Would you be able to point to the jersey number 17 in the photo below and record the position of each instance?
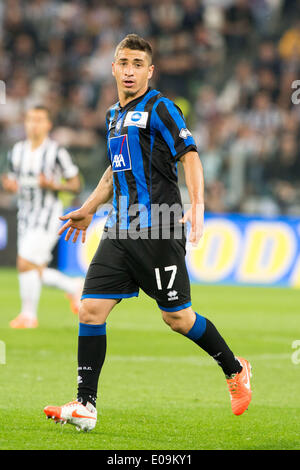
(173, 270)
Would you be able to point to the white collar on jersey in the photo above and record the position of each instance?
(40, 147)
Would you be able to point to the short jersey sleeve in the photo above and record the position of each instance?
(10, 164)
(169, 121)
(107, 119)
(64, 161)
(109, 123)
(13, 160)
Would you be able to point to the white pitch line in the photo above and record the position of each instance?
(195, 360)
(139, 327)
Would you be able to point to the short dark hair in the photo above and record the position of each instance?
(41, 107)
(135, 43)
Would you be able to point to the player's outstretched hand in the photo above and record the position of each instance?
(77, 221)
(194, 215)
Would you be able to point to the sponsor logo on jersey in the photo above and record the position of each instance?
(119, 153)
(29, 181)
(136, 118)
(185, 133)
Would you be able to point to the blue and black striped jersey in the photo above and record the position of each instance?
(145, 140)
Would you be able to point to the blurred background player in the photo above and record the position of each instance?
(36, 168)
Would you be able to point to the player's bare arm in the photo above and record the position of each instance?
(80, 219)
(71, 185)
(195, 183)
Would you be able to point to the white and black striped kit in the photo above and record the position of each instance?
(38, 207)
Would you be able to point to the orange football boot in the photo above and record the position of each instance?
(74, 299)
(240, 389)
(23, 322)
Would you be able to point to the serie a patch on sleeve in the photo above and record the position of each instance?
(185, 133)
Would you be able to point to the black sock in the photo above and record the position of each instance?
(91, 356)
(205, 335)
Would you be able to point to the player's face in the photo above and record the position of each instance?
(132, 71)
(37, 124)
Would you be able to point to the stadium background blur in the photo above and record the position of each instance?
(229, 64)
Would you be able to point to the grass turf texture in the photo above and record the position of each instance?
(158, 390)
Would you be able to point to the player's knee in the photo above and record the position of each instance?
(175, 321)
(181, 321)
(95, 311)
(87, 313)
(23, 265)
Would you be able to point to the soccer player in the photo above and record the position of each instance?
(36, 168)
(147, 136)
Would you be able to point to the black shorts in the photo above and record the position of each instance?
(121, 266)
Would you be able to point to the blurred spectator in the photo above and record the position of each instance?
(265, 117)
(240, 89)
(209, 50)
(268, 82)
(140, 23)
(212, 161)
(242, 149)
(206, 105)
(268, 58)
(99, 64)
(283, 174)
(289, 45)
(290, 8)
(238, 24)
(175, 59)
(192, 14)
(215, 198)
(262, 11)
(167, 16)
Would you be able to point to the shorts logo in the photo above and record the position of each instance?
(185, 133)
(172, 295)
(136, 118)
(119, 153)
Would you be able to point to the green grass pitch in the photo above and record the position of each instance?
(158, 390)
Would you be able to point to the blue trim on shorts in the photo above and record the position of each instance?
(175, 309)
(109, 296)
